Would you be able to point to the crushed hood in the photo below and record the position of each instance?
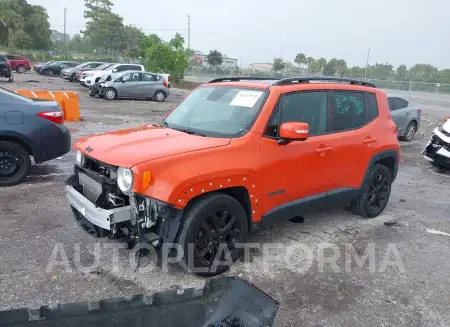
(127, 148)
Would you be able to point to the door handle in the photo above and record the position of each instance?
(407, 114)
(369, 140)
(324, 149)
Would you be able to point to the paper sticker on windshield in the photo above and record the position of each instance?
(246, 98)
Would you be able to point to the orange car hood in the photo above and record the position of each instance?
(127, 148)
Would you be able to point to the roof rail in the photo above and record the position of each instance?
(293, 80)
(240, 78)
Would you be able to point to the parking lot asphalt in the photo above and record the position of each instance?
(36, 225)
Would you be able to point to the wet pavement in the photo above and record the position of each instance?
(36, 224)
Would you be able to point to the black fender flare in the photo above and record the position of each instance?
(386, 154)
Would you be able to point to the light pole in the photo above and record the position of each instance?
(65, 38)
(189, 31)
(367, 64)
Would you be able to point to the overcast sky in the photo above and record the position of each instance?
(397, 31)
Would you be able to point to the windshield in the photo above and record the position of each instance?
(102, 67)
(218, 111)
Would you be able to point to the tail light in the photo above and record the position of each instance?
(420, 110)
(447, 118)
(165, 83)
(53, 116)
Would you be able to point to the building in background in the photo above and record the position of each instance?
(260, 67)
(201, 59)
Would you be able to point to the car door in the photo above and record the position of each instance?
(129, 85)
(299, 169)
(353, 129)
(399, 113)
(148, 85)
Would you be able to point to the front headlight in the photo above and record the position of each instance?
(125, 179)
(79, 158)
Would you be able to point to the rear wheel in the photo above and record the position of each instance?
(374, 194)
(50, 73)
(21, 69)
(110, 94)
(15, 163)
(410, 132)
(159, 96)
(211, 233)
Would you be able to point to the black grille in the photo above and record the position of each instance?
(98, 167)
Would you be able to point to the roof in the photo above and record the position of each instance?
(289, 81)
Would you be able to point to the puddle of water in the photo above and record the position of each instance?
(297, 220)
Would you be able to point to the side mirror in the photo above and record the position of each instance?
(293, 131)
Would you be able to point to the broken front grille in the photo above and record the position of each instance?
(98, 167)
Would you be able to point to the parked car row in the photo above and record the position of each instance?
(119, 80)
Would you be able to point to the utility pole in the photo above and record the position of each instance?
(367, 64)
(189, 31)
(65, 39)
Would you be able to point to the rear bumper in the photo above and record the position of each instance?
(56, 143)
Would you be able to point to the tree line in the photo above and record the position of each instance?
(338, 67)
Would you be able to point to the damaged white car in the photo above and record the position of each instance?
(437, 150)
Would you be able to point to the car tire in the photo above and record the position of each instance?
(377, 188)
(51, 73)
(159, 96)
(209, 223)
(11, 155)
(72, 78)
(21, 69)
(410, 132)
(110, 94)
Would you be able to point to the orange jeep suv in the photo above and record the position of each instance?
(238, 153)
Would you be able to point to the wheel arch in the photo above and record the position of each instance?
(388, 158)
(20, 140)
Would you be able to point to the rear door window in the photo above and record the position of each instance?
(372, 106)
(348, 110)
(9, 57)
(400, 103)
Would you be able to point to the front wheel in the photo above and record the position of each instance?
(50, 73)
(72, 78)
(374, 194)
(110, 94)
(212, 235)
(21, 69)
(15, 163)
(159, 96)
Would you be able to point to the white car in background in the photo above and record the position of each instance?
(93, 76)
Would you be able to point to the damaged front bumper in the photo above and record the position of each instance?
(437, 150)
(102, 210)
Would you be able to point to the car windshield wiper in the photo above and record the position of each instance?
(188, 131)
(184, 130)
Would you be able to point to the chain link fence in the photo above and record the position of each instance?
(410, 86)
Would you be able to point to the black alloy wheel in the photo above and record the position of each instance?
(15, 164)
(219, 228)
(375, 193)
(212, 233)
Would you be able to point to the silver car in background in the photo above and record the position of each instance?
(406, 116)
(135, 85)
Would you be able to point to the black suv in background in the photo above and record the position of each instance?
(54, 69)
